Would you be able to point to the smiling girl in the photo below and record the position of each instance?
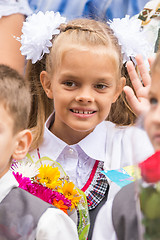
(81, 76)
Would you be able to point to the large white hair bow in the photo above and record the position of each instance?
(37, 32)
(131, 38)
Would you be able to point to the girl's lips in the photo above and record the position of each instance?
(82, 111)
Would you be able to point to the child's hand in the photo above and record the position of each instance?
(138, 100)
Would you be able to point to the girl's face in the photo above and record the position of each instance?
(83, 89)
(152, 119)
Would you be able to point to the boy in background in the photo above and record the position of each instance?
(22, 215)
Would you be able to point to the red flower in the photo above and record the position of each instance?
(150, 168)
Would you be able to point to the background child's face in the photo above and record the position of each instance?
(7, 140)
(83, 88)
(152, 119)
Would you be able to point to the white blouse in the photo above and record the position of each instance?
(115, 146)
(103, 228)
(8, 7)
(64, 227)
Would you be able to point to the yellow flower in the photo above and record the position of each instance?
(69, 191)
(49, 177)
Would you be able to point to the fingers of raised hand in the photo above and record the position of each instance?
(143, 71)
(131, 98)
(139, 77)
(136, 82)
(151, 60)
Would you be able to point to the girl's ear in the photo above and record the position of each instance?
(46, 84)
(22, 143)
(120, 87)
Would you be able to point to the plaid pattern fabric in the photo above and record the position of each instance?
(97, 188)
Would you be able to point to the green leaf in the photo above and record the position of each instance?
(145, 193)
(152, 229)
(150, 203)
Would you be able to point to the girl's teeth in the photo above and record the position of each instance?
(83, 112)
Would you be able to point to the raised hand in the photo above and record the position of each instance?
(141, 82)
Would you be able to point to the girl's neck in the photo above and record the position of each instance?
(70, 136)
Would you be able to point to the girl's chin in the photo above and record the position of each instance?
(83, 129)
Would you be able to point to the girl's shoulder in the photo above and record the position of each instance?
(124, 131)
(124, 144)
(131, 137)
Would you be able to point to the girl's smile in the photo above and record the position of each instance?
(83, 113)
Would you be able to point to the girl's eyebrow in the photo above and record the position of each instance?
(68, 75)
(151, 93)
(103, 79)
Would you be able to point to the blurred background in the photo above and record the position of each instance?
(99, 9)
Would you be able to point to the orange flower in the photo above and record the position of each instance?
(70, 192)
(60, 204)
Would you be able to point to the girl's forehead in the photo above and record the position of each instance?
(80, 50)
(99, 49)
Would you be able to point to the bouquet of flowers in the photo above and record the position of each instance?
(150, 196)
(51, 184)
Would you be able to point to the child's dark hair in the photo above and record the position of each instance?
(15, 96)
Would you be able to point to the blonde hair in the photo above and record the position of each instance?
(121, 113)
(15, 96)
(76, 33)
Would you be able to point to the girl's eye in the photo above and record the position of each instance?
(69, 84)
(153, 101)
(100, 86)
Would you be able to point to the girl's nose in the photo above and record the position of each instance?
(84, 96)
